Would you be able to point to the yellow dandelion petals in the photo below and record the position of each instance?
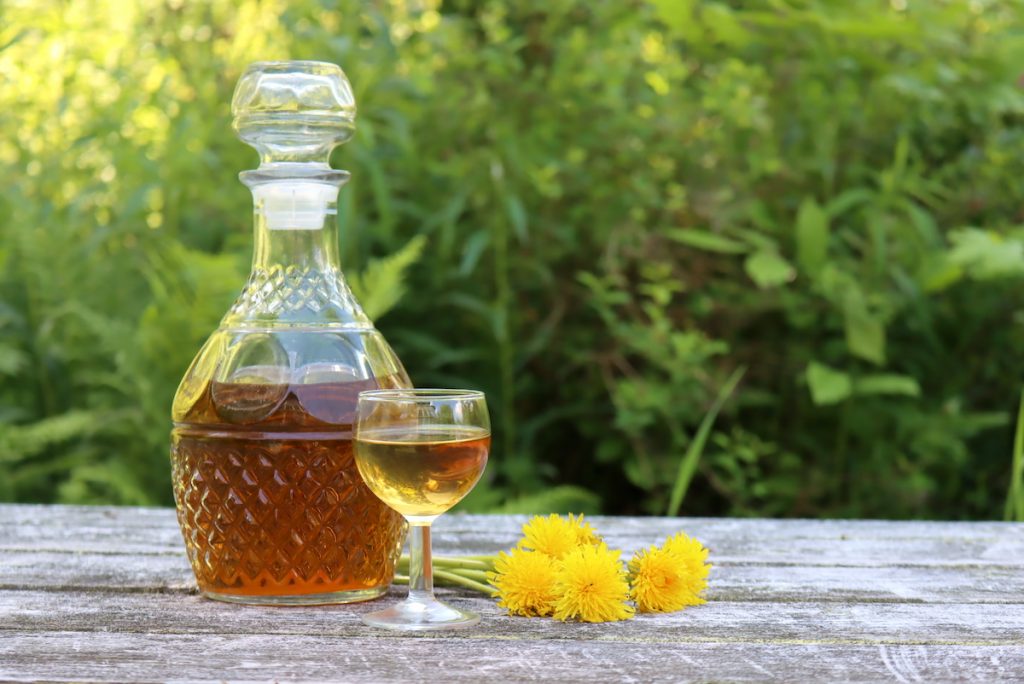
(585, 534)
(556, 536)
(671, 577)
(591, 586)
(561, 568)
(525, 583)
(656, 583)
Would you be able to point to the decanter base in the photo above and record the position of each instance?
(300, 599)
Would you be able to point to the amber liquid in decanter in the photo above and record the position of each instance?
(277, 507)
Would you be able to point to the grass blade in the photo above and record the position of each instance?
(688, 464)
(1015, 495)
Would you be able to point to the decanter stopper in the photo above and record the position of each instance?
(294, 114)
(294, 111)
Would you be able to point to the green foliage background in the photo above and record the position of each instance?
(625, 207)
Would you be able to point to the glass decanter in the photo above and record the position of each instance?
(271, 505)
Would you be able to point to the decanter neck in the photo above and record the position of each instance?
(295, 215)
(294, 114)
(296, 278)
(305, 248)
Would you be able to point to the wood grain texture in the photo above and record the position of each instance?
(257, 657)
(756, 582)
(722, 621)
(809, 542)
(89, 593)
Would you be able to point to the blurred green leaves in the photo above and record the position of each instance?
(812, 235)
(706, 240)
(596, 212)
(831, 386)
(827, 385)
(985, 254)
(768, 269)
(381, 285)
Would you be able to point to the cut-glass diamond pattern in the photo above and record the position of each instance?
(277, 290)
(281, 517)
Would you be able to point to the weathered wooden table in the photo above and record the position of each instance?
(106, 594)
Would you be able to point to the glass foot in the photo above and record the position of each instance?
(413, 615)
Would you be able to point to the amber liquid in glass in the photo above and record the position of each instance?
(424, 471)
(271, 502)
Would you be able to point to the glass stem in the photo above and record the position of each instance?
(421, 569)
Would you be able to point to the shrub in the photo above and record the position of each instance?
(623, 205)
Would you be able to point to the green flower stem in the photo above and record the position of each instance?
(488, 560)
(466, 564)
(455, 562)
(481, 575)
(464, 582)
(449, 578)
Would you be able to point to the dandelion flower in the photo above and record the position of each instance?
(525, 583)
(556, 536)
(591, 586)
(658, 582)
(671, 577)
(585, 534)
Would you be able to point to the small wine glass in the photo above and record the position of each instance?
(421, 451)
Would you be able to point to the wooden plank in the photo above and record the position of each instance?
(98, 529)
(720, 621)
(142, 657)
(734, 541)
(108, 571)
(508, 525)
(100, 593)
(85, 516)
(894, 584)
(800, 542)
